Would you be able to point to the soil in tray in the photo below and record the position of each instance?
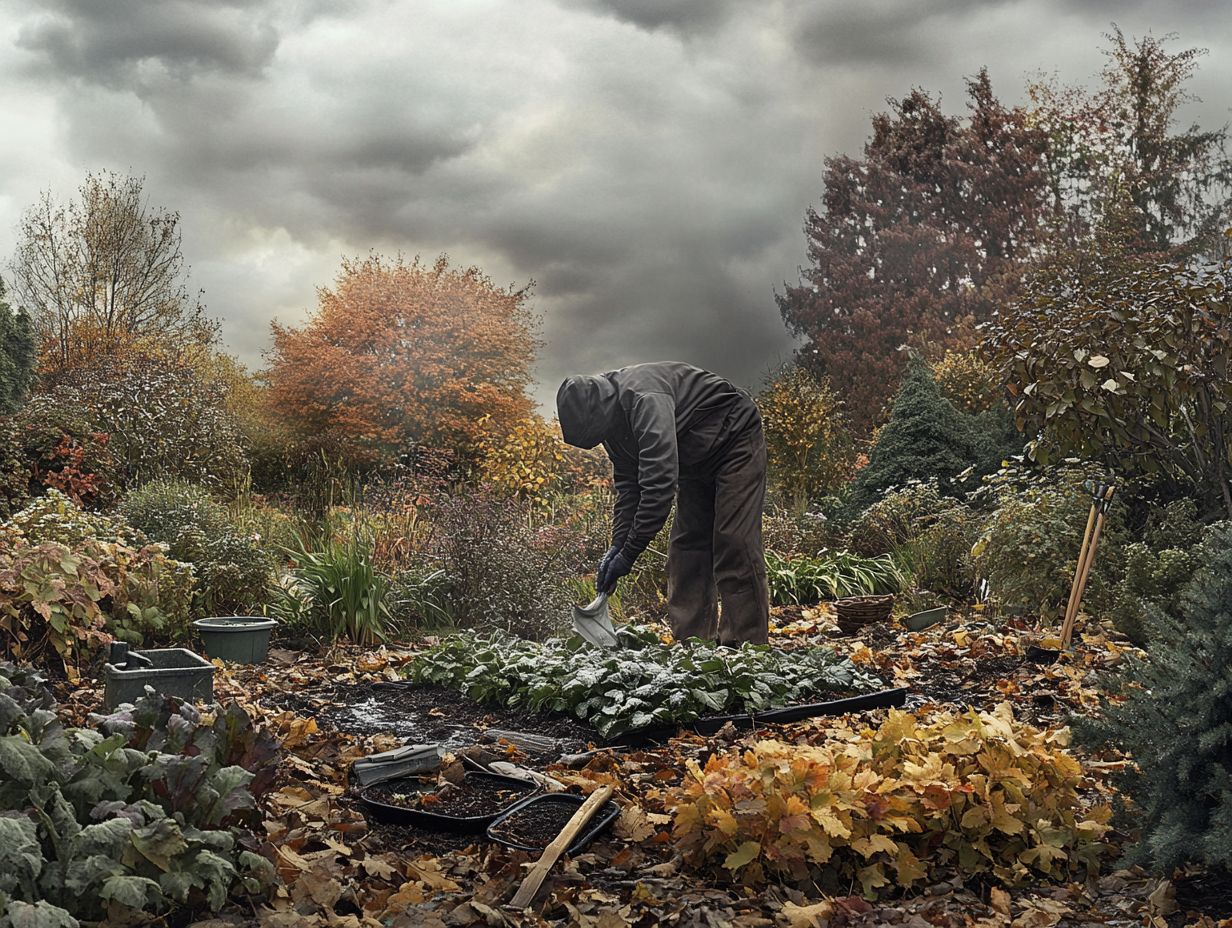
(474, 798)
(537, 824)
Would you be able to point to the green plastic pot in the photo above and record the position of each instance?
(238, 639)
(921, 620)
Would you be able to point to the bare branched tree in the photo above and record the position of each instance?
(104, 272)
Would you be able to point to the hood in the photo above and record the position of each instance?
(586, 406)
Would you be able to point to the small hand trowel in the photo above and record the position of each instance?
(593, 624)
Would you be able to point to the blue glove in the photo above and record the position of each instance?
(611, 569)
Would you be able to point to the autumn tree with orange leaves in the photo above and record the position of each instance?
(402, 354)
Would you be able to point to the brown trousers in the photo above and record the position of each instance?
(716, 550)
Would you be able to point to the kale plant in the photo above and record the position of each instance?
(128, 822)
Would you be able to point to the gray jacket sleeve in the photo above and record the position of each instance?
(652, 418)
(628, 496)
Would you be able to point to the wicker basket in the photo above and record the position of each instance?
(855, 612)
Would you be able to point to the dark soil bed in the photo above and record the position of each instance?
(967, 683)
(414, 840)
(427, 714)
(1208, 893)
(476, 796)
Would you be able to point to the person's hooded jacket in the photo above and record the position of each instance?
(655, 421)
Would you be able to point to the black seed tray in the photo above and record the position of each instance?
(435, 821)
(607, 814)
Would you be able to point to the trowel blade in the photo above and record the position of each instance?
(594, 624)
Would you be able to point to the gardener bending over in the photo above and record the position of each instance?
(674, 430)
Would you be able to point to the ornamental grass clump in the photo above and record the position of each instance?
(829, 575)
(978, 792)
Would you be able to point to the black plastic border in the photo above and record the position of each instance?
(882, 699)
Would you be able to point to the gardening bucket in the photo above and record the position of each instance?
(239, 639)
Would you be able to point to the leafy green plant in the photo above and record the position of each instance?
(1096, 376)
(233, 571)
(97, 825)
(1028, 549)
(336, 591)
(74, 593)
(645, 683)
(980, 792)
(829, 575)
(1174, 719)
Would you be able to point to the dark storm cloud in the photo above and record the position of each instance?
(869, 33)
(647, 163)
(111, 42)
(683, 16)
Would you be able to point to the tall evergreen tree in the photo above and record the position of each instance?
(1176, 722)
(917, 241)
(16, 355)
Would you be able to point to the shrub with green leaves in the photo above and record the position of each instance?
(63, 586)
(53, 443)
(897, 518)
(125, 824)
(645, 683)
(829, 575)
(790, 534)
(1029, 546)
(1176, 721)
(1155, 570)
(162, 418)
(234, 571)
(929, 534)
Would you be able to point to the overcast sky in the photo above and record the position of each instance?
(647, 162)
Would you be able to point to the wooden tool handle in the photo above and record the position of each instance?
(1082, 558)
(552, 853)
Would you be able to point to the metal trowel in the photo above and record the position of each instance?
(594, 624)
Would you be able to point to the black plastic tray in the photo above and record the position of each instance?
(435, 821)
(602, 819)
(710, 724)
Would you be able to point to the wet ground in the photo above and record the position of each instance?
(427, 714)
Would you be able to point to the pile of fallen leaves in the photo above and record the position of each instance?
(336, 869)
(976, 792)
